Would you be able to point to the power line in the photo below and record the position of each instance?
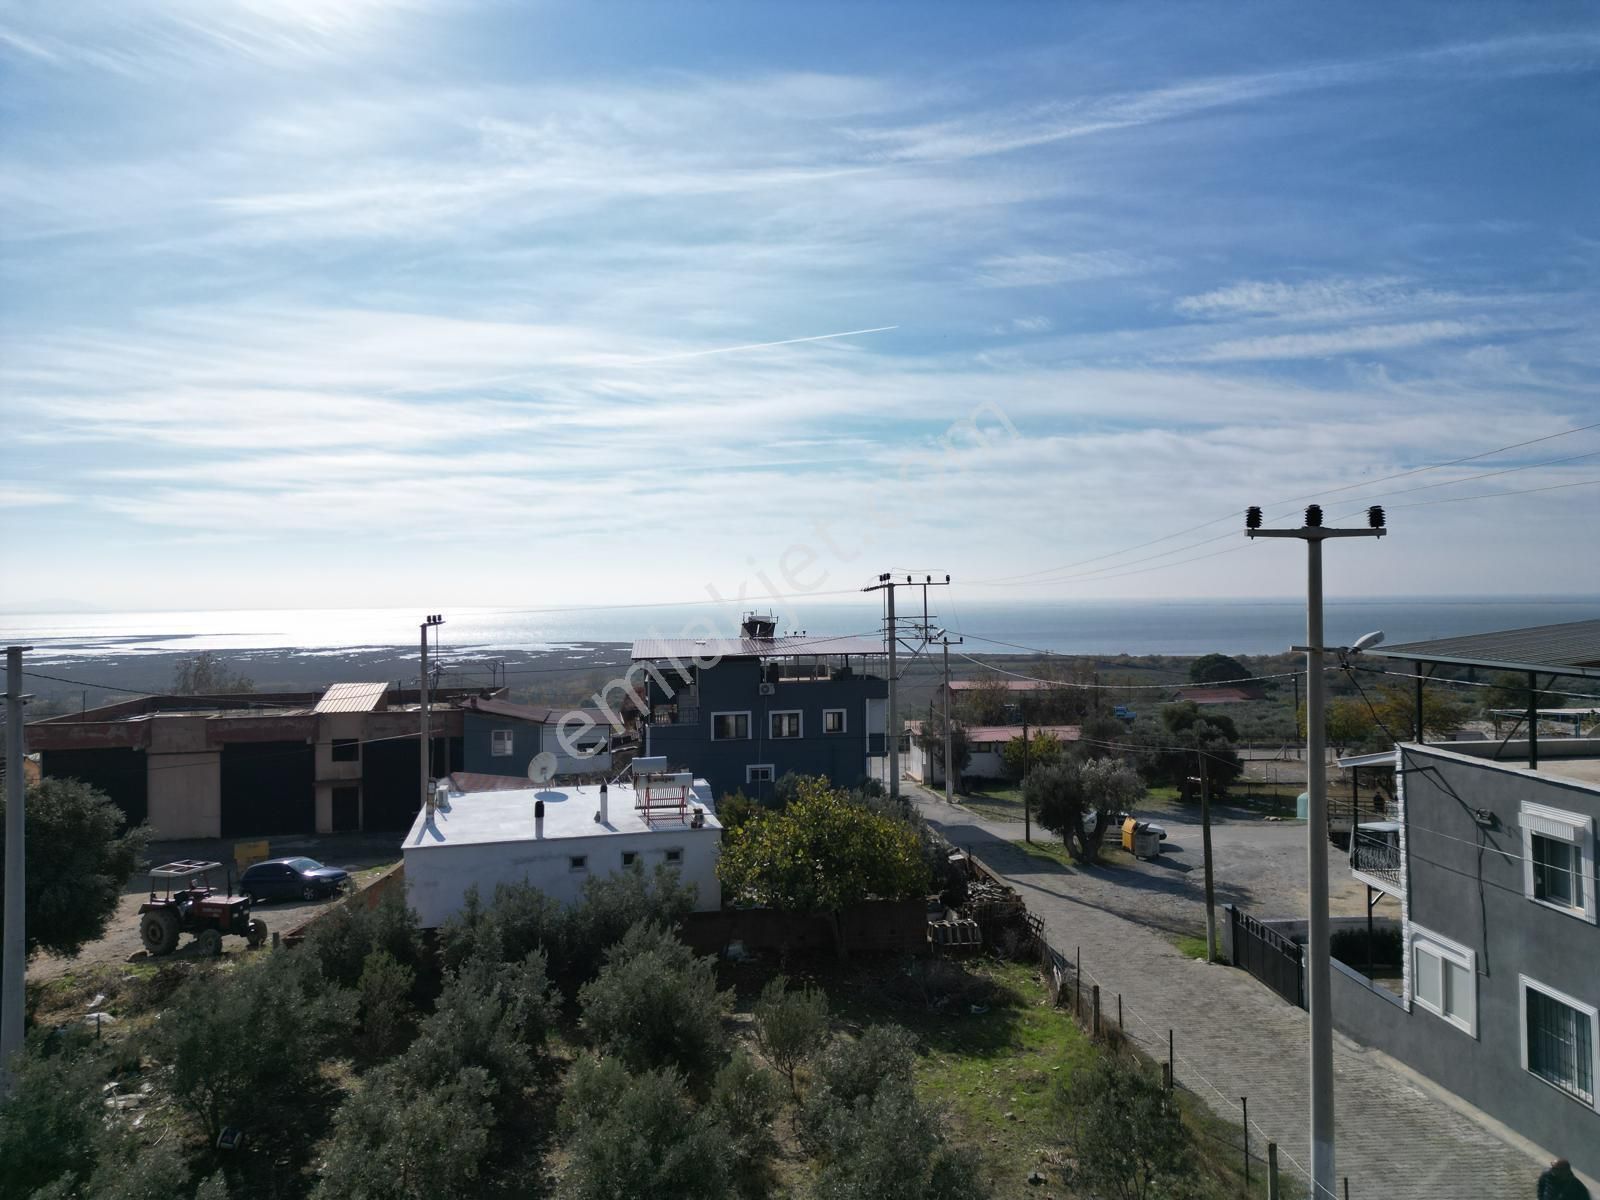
(1037, 575)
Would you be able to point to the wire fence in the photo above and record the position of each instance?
(1111, 1020)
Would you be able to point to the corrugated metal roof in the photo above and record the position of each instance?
(791, 646)
(351, 697)
(1572, 648)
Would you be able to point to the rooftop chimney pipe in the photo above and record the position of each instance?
(538, 819)
(604, 815)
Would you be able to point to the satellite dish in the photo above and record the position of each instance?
(542, 767)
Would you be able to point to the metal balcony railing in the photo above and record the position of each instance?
(1376, 854)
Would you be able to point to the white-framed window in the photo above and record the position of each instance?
(1558, 859)
(1444, 976)
(630, 858)
(501, 742)
(833, 720)
(578, 862)
(730, 726)
(1559, 1043)
(759, 773)
(785, 724)
(674, 857)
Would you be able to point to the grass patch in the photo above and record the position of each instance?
(1112, 856)
(1195, 947)
(996, 804)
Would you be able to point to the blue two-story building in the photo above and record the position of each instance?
(743, 712)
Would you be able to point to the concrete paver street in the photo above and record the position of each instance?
(1233, 1036)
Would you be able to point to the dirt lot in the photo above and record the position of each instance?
(364, 858)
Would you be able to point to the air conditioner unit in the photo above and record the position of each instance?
(768, 689)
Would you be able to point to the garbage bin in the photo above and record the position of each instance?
(1128, 827)
(1146, 842)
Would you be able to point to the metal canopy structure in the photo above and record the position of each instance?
(1570, 649)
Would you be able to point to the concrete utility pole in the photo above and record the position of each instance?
(1318, 972)
(426, 756)
(1027, 761)
(888, 584)
(15, 963)
(1205, 842)
(944, 641)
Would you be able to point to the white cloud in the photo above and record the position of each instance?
(1355, 340)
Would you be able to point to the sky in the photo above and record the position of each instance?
(320, 303)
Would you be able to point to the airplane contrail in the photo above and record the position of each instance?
(820, 337)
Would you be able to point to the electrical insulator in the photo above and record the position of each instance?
(1313, 516)
(1252, 517)
(1375, 517)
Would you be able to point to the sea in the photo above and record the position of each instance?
(1099, 627)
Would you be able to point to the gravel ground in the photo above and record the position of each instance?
(121, 944)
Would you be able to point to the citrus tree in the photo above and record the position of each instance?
(821, 855)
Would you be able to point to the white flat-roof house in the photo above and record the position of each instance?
(556, 837)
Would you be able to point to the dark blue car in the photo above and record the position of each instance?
(290, 879)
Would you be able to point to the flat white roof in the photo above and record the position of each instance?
(476, 818)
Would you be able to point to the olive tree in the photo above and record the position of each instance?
(1079, 800)
(79, 856)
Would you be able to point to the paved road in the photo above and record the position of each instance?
(1234, 1037)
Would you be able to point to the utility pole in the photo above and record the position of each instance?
(1318, 973)
(426, 756)
(15, 964)
(944, 641)
(887, 584)
(1027, 761)
(1205, 842)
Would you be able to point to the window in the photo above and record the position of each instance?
(1558, 1040)
(1558, 859)
(630, 858)
(578, 862)
(674, 857)
(346, 749)
(833, 720)
(785, 724)
(730, 727)
(1446, 979)
(500, 743)
(759, 773)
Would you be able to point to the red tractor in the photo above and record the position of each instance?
(182, 900)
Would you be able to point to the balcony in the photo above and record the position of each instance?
(1375, 856)
(675, 714)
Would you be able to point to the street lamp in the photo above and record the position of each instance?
(1318, 972)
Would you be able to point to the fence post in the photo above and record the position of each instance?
(1166, 1077)
(1347, 1187)
(1077, 986)
(1244, 1103)
(1272, 1171)
(274, 939)
(1121, 1028)
(1171, 1058)
(1095, 997)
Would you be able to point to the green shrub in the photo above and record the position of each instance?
(852, 1069)
(744, 1102)
(49, 1125)
(385, 1009)
(850, 1072)
(245, 1046)
(491, 1016)
(1125, 1132)
(342, 939)
(395, 1141)
(790, 1026)
(885, 1146)
(614, 904)
(637, 1136)
(655, 1004)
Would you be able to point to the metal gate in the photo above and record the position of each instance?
(1269, 956)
